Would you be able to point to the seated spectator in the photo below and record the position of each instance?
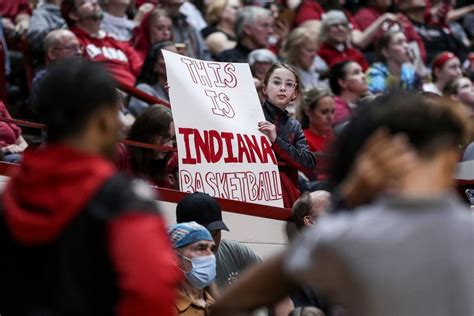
(374, 10)
(316, 114)
(220, 34)
(445, 68)
(253, 27)
(155, 126)
(348, 84)
(45, 19)
(436, 38)
(394, 70)
(120, 58)
(300, 51)
(232, 257)
(194, 247)
(184, 33)
(461, 89)
(152, 78)
(58, 44)
(306, 212)
(334, 38)
(12, 143)
(155, 27)
(115, 21)
(15, 16)
(260, 61)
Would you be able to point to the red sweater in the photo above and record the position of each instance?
(366, 16)
(9, 133)
(119, 57)
(333, 56)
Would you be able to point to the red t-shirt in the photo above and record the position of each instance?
(319, 144)
(9, 133)
(119, 57)
(366, 16)
(312, 10)
(11, 8)
(333, 56)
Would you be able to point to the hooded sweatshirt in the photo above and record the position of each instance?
(44, 202)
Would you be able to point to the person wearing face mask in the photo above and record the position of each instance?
(194, 247)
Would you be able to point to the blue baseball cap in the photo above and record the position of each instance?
(183, 234)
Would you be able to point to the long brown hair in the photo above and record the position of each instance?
(153, 123)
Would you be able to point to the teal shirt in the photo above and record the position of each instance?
(381, 81)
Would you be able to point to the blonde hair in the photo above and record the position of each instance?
(297, 38)
(214, 11)
(310, 101)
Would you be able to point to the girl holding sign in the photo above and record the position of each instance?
(281, 87)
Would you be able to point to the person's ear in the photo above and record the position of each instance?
(295, 96)
(264, 89)
(50, 54)
(342, 83)
(247, 30)
(73, 16)
(384, 53)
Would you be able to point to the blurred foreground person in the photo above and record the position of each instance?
(78, 238)
(409, 251)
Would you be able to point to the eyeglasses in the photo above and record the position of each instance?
(288, 84)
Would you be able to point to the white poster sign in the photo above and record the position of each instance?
(221, 152)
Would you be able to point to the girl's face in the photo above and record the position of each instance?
(355, 79)
(321, 117)
(160, 29)
(281, 88)
(307, 53)
(167, 140)
(397, 49)
(466, 92)
(160, 66)
(450, 70)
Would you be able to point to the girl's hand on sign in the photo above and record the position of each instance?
(268, 129)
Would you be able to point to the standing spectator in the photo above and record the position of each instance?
(120, 58)
(436, 38)
(220, 34)
(45, 19)
(348, 83)
(233, 258)
(301, 52)
(281, 87)
(15, 16)
(334, 38)
(155, 126)
(97, 241)
(12, 143)
(152, 78)
(194, 247)
(374, 10)
(115, 22)
(394, 70)
(461, 89)
(366, 259)
(445, 68)
(253, 27)
(185, 33)
(155, 27)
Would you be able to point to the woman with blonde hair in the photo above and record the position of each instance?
(220, 34)
(301, 52)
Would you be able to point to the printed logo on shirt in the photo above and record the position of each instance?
(108, 52)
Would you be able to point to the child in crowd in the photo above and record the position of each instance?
(281, 87)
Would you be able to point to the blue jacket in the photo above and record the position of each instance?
(381, 81)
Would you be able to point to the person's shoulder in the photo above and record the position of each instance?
(234, 247)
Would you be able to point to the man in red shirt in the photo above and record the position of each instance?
(120, 58)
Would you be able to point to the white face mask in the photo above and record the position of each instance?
(203, 272)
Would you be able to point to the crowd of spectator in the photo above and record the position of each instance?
(317, 66)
